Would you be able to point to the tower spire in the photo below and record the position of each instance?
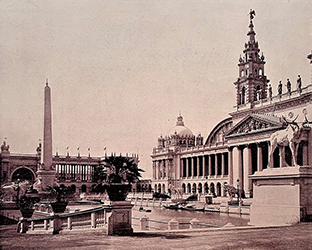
(251, 32)
(251, 84)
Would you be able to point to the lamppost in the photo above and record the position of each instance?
(238, 194)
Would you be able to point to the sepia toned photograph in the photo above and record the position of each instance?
(145, 124)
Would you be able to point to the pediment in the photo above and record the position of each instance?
(255, 123)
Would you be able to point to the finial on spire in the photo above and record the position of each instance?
(47, 81)
(252, 14)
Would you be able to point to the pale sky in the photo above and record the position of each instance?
(120, 71)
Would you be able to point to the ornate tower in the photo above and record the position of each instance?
(251, 85)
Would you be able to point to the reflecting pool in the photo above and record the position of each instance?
(184, 216)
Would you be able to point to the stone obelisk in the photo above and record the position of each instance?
(46, 173)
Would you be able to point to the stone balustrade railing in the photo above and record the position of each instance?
(92, 218)
(173, 224)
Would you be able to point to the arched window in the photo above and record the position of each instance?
(183, 188)
(258, 93)
(243, 96)
(194, 189)
(218, 189)
(200, 188)
(260, 72)
(189, 188)
(256, 72)
(242, 73)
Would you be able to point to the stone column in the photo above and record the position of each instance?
(237, 166)
(189, 167)
(230, 166)
(247, 171)
(222, 164)
(260, 158)
(210, 165)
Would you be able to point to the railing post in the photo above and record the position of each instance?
(45, 224)
(144, 223)
(32, 225)
(93, 221)
(69, 223)
(194, 223)
(173, 224)
(57, 224)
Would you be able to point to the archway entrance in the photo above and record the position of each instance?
(23, 174)
(83, 189)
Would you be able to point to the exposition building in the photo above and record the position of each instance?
(264, 131)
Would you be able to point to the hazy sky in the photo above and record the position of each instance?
(120, 71)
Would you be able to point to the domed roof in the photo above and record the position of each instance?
(180, 129)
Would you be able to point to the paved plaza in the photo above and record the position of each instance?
(293, 237)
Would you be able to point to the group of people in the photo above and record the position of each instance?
(288, 86)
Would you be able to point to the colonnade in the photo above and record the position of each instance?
(210, 165)
(74, 172)
(161, 169)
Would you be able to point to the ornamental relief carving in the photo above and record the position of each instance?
(250, 126)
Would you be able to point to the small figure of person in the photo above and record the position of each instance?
(299, 84)
(280, 88)
(270, 92)
(288, 85)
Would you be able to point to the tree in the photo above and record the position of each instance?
(116, 169)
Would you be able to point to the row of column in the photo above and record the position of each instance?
(74, 172)
(205, 165)
(161, 169)
(246, 160)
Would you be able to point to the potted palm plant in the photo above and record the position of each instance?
(116, 175)
(27, 202)
(59, 196)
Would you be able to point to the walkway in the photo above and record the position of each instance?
(294, 237)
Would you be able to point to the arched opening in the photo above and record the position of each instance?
(155, 188)
(288, 156)
(258, 93)
(183, 188)
(243, 96)
(73, 188)
(189, 188)
(149, 188)
(276, 158)
(242, 73)
(260, 72)
(23, 174)
(194, 189)
(206, 188)
(163, 188)
(159, 188)
(200, 188)
(218, 189)
(256, 72)
(83, 189)
(212, 189)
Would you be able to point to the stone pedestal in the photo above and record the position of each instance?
(281, 196)
(45, 179)
(120, 218)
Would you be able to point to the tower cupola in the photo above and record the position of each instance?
(251, 85)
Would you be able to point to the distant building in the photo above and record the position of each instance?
(240, 145)
(76, 171)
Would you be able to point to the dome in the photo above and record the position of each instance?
(180, 129)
